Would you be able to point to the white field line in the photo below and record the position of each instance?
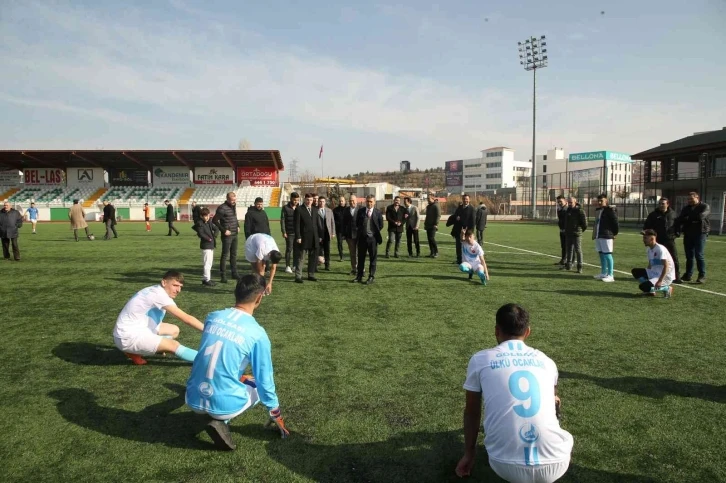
(689, 287)
(710, 237)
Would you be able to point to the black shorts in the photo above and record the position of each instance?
(146, 218)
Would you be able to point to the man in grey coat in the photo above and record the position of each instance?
(10, 221)
(412, 220)
(481, 222)
(326, 230)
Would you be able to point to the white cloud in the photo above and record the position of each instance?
(165, 78)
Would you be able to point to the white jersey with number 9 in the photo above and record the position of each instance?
(518, 388)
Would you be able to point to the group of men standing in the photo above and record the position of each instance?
(693, 223)
(309, 228)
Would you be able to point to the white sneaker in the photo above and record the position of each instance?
(608, 278)
(599, 276)
(288, 270)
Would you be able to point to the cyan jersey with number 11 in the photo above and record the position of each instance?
(231, 340)
(518, 387)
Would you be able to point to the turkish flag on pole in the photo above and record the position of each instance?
(321, 152)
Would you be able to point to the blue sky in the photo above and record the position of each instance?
(374, 82)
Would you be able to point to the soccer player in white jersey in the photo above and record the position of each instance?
(472, 257)
(661, 270)
(261, 248)
(139, 328)
(232, 340)
(518, 384)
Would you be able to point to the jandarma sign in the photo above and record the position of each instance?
(170, 175)
(601, 156)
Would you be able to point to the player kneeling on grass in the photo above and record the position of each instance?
(519, 385)
(232, 339)
(260, 249)
(472, 257)
(139, 328)
(661, 270)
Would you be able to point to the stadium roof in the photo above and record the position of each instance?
(697, 142)
(133, 158)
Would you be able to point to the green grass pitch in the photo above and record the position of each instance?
(369, 377)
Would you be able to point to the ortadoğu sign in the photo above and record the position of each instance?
(258, 176)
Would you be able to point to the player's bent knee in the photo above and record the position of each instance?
(465, 267)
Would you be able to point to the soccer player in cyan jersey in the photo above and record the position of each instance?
(32, 213)
(519, 384)
(232, 340)
(139, 328)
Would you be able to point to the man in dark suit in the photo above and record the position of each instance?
(307, 238)
(395, 218)
(350, 232)
(411, 227)
(369, 223)
(109, 219)
(338, 213)
(170, 217)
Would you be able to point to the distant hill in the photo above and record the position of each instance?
(428, 178)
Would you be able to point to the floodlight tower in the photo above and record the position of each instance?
(533, 56)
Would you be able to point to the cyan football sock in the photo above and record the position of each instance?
(185, 353)
(603, 263)
(609, 264)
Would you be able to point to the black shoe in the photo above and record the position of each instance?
(353, 272)
(678, 281)
(357, 280)
(169, 234)
(370, 281)
(579, 269)
(220, 434)
(312, 279)
(224, 280)
(298, 280)
(235, 276)
(327, 269)
(701, 279)
(686, 278)
(177, 233)
(208, 283)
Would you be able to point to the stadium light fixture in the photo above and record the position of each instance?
(532, 55)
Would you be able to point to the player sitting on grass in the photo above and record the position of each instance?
(139, 328)
(232, 340)
(472, 258)
(661, 270)
(260, 249)
(523, 437)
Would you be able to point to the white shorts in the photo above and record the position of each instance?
(253, 399)
(475, 266)
(603, 245)
(145, 342)
(514, 473)
(34, 221)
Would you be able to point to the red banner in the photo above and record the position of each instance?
(258, 176)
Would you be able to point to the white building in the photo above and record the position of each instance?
(495, 169)
(555, 161)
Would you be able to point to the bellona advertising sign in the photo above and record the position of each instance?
(601, 156)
